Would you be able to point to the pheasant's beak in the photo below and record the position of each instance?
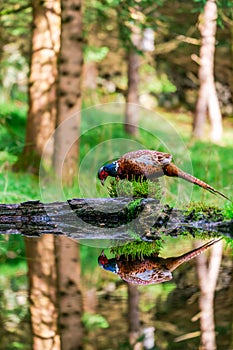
(102, 181)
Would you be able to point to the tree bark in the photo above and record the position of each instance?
(42, 292)
(132, 102)
(207, 97)
(207, 276)
(69, 293)
(65, 166)
(134, 316)
(69, 92)
(42, 83)
(40, 126)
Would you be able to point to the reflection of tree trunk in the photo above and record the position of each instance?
(42, 292)
(132, 108)
(42, 82)
(207, 99)
(133, 316)
(208, 274)
(230, 293)
(69, 293)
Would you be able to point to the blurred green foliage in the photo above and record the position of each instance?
(12, 124)
(93, 321)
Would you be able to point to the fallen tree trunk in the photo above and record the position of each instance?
(107, 218)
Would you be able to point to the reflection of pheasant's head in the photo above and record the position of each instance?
(107, 264)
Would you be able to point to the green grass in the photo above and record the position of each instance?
(18, 187)
(103, 139)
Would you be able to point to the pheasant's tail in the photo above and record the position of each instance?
(200, 183)
(173, 263)
(172, 170)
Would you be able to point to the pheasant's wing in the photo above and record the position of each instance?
(145, 162)
(148, 157)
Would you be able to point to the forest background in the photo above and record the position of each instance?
(173, 58)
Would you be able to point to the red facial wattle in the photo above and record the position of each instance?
(102, 176)
(102, 260)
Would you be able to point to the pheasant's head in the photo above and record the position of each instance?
(107, 170)
(107, 264)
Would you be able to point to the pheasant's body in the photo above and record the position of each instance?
(150, 270)
(146, 164)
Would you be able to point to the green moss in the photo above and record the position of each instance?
(138, 249)
(135, 189)
(199, 211)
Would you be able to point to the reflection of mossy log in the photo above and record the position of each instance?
(110, 218)
(137, 249)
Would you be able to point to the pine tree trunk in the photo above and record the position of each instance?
(207, 98)
(65, 166)
(132, 102)
(69, 92)
(40, 126)
(42, 83)
(207, 275)
(42, 292)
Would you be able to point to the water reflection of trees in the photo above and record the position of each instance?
(207, 271)
(168, 311)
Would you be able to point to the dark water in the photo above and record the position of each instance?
(170, 310)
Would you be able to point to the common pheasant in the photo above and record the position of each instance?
(147, 164)
(151, 269)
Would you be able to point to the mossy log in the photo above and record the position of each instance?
(109, 218)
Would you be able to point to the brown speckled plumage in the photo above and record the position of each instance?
(143, 163)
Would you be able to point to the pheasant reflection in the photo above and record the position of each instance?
(151, 269)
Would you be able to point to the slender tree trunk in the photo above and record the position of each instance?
(207, 98)
(65, 165)
(132, 99)
(230, 293)
(42, 83)
(69, 92)
(40, 126)
(208, 275)
(42, 292)
(69, 293)
(229, 22)
(133, 316)
(132, 102)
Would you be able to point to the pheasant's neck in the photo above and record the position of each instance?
(112, 168)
